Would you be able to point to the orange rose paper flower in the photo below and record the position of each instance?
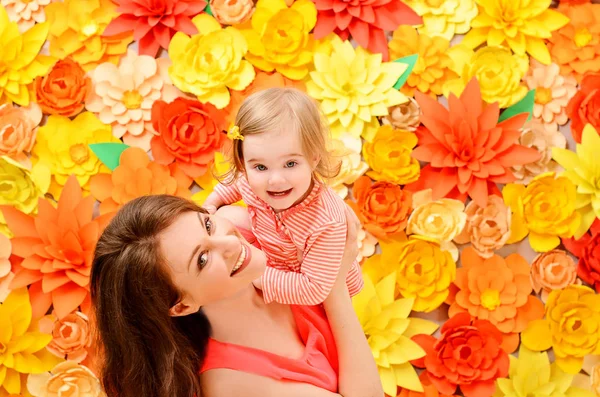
(232, 12)
(467, 355)
(18, 129)
(382, 207)
(467, 149)
(587, 249)
(64, 89)
(189, 132)
(584, 107)
(552, 270)
(498, 290)
(71, 336)
(57, 247)
(137, 176)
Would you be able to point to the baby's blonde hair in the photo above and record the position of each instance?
(277, 109)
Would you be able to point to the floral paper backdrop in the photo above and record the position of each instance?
(468, 131)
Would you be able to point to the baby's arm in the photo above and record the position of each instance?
(318, 272)
(222, 195)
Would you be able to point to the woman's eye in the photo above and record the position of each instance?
(260, 167)
(208, 225)
(290, 164)
(202, 260)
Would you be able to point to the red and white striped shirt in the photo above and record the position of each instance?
(316, 227)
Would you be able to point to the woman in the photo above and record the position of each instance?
(173, 296)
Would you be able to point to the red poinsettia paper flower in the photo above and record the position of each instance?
(154, 22)
(587, 249)
(467, 149)
(365, 20)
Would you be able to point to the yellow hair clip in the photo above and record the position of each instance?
(234, 133)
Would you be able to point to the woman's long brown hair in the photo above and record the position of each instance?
(144, 352)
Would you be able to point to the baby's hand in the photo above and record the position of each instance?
(210, 208)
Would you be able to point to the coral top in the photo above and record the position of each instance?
(318, 365)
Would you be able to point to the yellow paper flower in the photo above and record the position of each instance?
(354, 87)
(389, 156)
(62, 144)
(279, 37)
(207, 182)
(76, 30)
(23, 347)
(433, 67)
(445, 18)
(66, 379)
(583, 169)
(545, 209)
(521, 25)
(404, 116)
(571, 327)
(389, 329)
(21, 188)
(351, 167)
(211, 62)
(498, 71)
(26, 13)
(20, 60)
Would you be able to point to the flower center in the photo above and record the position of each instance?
(543, 95)
(79, 153)
(582, 37)
(2, 347)
(132, 99)
(90, 29)
(490, 299)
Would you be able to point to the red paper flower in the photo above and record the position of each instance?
(467, 149)
(468, 354)
(154, 22)
(365, 20)
(587, 249)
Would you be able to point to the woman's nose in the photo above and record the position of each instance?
(229, 245)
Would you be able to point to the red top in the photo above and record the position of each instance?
(318, 366)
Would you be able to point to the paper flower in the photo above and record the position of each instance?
(389, 156)
(20, 60)
(498, 71)
(71, 336)
(279, 37)
(433, 67)
(351, 167)
(23, 347)
(587, 249)
(137, 176)
(571, 327)
(18, 129)
(64, 89)
(62, 144)
(404, 116)
(351, 104)
(6, 274)
(366, 244)
(531, 374)
(576, 46)
(468, 150)
(235, 12)
(487, 228)
(382, 207)
(444, 19)
(543, 138)
(388, 330)
(583, 169)
(521, 25)
(552, 92)
(552, 270)
(66, 379)
(477, 358)
(584, 107)
(154, 22)
(76, 30)
(210, 63)
(498, 290)
(366, 21)
(25, 13)
(122, 96)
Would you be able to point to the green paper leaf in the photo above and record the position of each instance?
(410, 60)
(208, 10)
(109, 153)
(525, 105)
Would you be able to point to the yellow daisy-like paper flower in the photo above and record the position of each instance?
(26, 13)
(62, 144)
(498, 71)
(389, 156)
(445, 18)
(20, 60)
(207, 182)
(545, 209)
(354, 87)
(433, 67)
(521, 25)
(76, 30)
(351, 167)
(279, 37)
(211, 62)
(389, 329)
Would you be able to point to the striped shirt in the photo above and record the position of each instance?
(315, 228)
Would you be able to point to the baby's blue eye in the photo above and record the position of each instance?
(291, 164)
(260, 167)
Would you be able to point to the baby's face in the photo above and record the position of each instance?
(277, 169)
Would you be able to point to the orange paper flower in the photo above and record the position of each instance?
(552, 270)
(429, 389)
(584, 107)
(57, 247)
(587, 249)
(137, 176)
(6, 274)
(18, 129)
(71, 336)
(498, 290)
(404, 116)
(232, 12)
(467, 149)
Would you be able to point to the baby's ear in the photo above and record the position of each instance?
(315, 161)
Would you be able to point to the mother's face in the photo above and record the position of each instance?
(208, 260)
